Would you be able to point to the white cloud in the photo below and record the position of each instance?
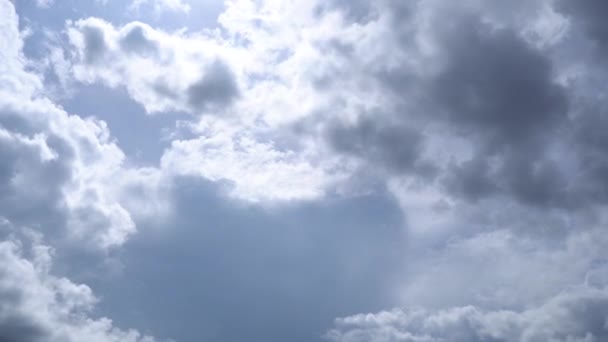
(56, 178)
(258, 171)
(205, 74)
(161, 5)
(577, 315)
(456, 109)
(36, 306)
(160, 70)
(44, 3)
(58, 169)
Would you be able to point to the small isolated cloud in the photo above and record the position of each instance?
(160, 6)
(44, 3)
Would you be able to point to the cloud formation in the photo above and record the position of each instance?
(55, 199)
(55, 166)
(38, 306)
(483, 120)
(163, 72)
(578, 315)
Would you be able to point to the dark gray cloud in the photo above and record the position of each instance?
(31, 187)
(590, 15)
(396, 147)
(491, 88)
(136, 40)
(18, 328)
(95, 46)
(499, 92)
(497, 86)
(216, 88)
(589, 132)
(360, 11)
(471, 179)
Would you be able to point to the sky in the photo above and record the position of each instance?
(303, 171)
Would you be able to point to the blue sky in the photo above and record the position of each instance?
(290, 170)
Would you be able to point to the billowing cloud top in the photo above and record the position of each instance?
(290, 170)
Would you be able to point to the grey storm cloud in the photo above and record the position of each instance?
(95, 45)
(492, 88)
(216, 88)
(496, 85)
(395, 146)
(136, 41)
(590, 15)
(355, 10)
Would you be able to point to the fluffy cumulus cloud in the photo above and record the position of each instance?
(484, 121)
(578, 315)
(161, 71)
(539, 293)
(38, 306)
(210, 76)
(56, 167)
(55, 176)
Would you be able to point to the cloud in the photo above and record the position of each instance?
(575, 315)
(381, 84)
(55, 166)
(216, 88)
(94, 44)
(57, 200)
(39, 306)
(44, 3)
(589, 15)
(479, 118)
(473, 107)
(258, 171)
(396, 146)
(197, 74)
(161, 5)
(494, 83)
(136, 41)
(163, 72)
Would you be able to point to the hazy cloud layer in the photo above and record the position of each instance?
(319, 159)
